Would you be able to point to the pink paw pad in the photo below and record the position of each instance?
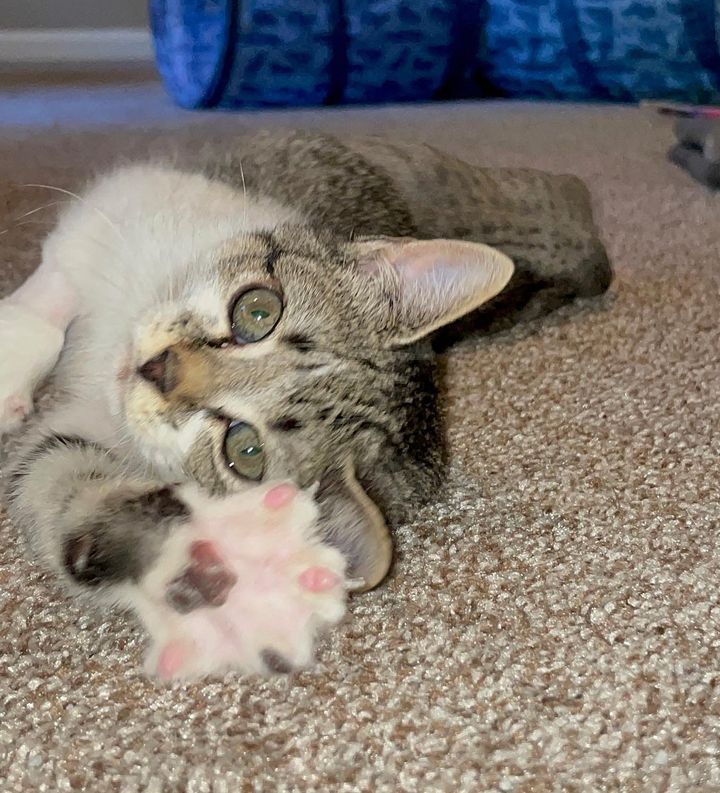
(203, 554)
(172, 658)
(247, 584)
(318, 579)
(205, 582)
(279, 496)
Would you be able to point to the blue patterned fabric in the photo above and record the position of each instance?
(235, 53)
(228, 53)
(603, 49)
(238, 53)
(397, 50)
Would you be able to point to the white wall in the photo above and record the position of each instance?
(74, 32)
(72, 14)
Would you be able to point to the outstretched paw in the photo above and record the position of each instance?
(245, 585)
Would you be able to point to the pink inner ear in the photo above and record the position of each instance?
(425, 265)
(438, 281)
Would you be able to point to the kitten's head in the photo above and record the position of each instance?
(290, 356)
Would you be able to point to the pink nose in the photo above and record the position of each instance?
(158, 371)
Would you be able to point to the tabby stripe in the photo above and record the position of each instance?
(273, 254)
(341, 403)
(286, 424)
(363, 361)
(300, 342)
(362, 423)
(368, 424)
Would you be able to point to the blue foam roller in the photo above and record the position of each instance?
(621, 50)
(397, 51)
(238, 53)
(230, 53)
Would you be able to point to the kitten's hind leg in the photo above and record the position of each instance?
(33, 321)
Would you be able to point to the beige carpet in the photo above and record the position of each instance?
(552, 624)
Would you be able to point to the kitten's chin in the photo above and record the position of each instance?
(159, 447)
(163, 443)
(169, 468)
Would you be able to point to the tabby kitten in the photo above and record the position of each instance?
(259, 315)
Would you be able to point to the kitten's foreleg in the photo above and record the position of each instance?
(33, 321)
(237, 583)
(87, 517)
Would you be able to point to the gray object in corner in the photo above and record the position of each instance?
(698, 149)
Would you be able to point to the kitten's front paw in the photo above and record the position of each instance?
(245, 585)
(29, 347)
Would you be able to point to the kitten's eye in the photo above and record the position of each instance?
(255, 314)
(244, 451)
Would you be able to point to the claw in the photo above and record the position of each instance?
(275, 662)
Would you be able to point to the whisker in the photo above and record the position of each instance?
(39, 209)
(25, 223)
(245, 202)
(31, 212)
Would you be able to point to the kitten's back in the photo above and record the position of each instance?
(371, 187)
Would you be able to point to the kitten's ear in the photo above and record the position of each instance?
(353, 524)
(430, 283)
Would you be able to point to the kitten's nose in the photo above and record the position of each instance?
(160, 371)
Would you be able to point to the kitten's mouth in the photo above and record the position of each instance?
(121, 384)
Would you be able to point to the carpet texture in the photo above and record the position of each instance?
(552, 622)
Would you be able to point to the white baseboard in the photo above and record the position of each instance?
(112, 45)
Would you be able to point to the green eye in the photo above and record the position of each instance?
(244, 451)
(255, 314)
